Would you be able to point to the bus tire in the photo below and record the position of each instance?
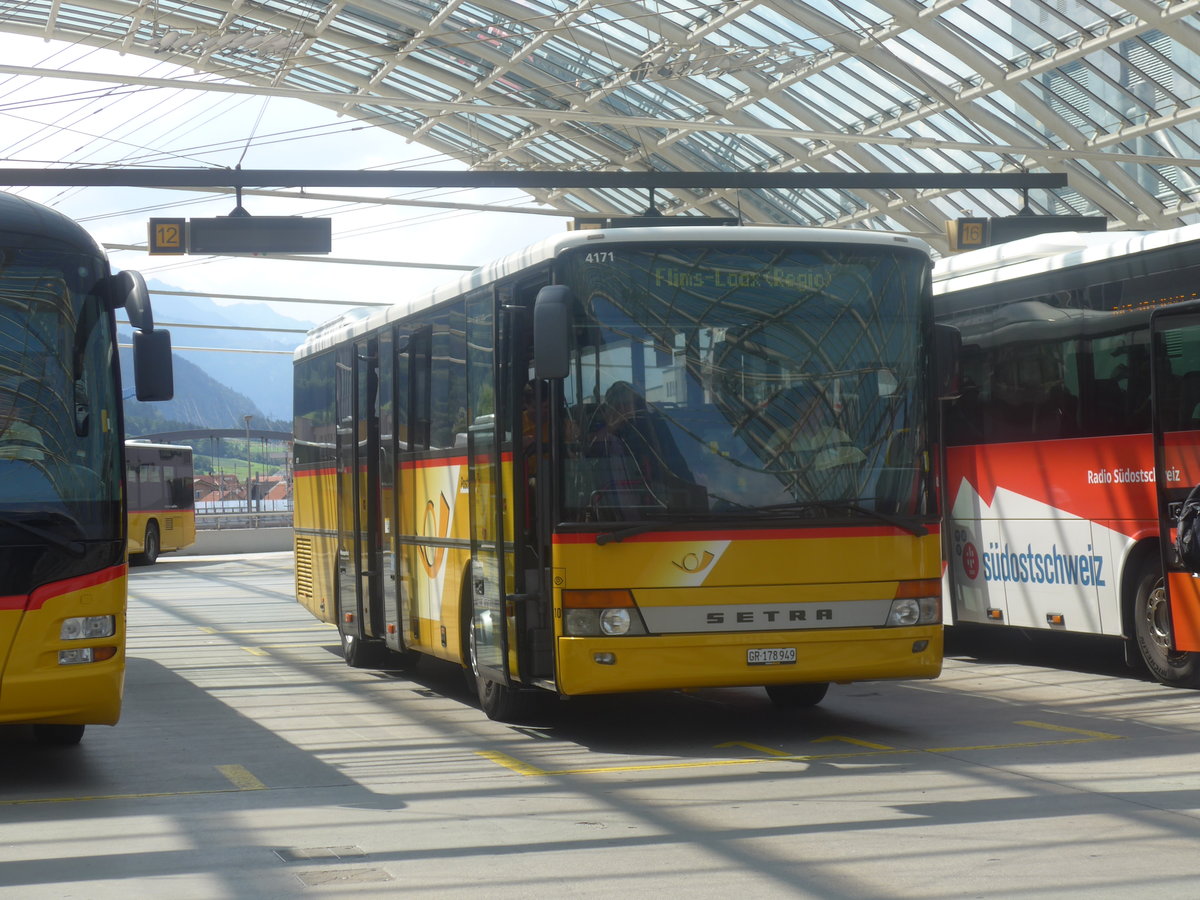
(370, 653)
(500, 702)
(58, 735)
(1152, 630)
(797, 696)
(150, 547)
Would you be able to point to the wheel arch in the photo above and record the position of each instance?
(1144, 553)
(464, 614)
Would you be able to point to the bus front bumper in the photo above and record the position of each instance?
(593, 665)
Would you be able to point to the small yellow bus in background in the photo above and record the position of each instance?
(162, 503)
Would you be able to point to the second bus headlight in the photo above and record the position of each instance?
(915, 611)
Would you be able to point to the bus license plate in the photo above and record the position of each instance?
(771, 656)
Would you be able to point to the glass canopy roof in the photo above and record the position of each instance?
(1105, 92)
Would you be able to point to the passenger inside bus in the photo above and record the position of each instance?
(644, 464)
(18, 438)
(808, 443)
(1031, 400)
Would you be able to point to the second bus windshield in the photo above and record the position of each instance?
(740, 377)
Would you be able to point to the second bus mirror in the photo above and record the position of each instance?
(153, 373)
(947, 344)
(551, 330)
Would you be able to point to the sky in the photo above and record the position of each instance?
(53, 122)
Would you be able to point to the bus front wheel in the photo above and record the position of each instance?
(498, 701)
(58, 735)
(1152, 629)
(796, 696)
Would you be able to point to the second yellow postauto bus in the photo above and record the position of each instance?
(629, 460)
(160, 498)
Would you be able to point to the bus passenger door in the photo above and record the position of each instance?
(360, 589)
(348, 603)
(491, 537)
(1175, 385)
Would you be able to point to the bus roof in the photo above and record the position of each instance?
(362, 321)
(1044, 253)
(26, 223)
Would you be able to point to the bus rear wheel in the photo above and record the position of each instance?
(1152, 629)
(150, 546)
(370, 653)
(797, 696)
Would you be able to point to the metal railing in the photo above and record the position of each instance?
(243, 519)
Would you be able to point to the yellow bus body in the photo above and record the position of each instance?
(176, 529)
(680, 574)
(34, 686)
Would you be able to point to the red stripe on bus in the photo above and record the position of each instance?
(16, 601)
(782, 534)
(57, 589)
(505, 457)
(314, 473)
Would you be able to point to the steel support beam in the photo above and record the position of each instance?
(168, 178)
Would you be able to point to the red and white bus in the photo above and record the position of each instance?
(1060, 515)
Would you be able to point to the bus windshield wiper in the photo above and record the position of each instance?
(73, 548)
(669, 519)
(906, 523)
(741, 513)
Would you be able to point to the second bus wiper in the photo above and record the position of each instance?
(906, 523)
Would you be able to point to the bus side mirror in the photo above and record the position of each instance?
(129, 290)
(153, 375)
(551, 330)
(947, 346)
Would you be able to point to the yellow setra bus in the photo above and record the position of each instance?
(161, 499)
(62, 515)
(632, 459)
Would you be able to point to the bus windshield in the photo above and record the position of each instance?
(740, 379)
(59, 464)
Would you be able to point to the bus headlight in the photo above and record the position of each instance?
(600, 613)
(907, 611)
(82, 628)
(615, 621)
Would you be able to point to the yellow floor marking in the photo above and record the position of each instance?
(523, 768)
(147, 796)
(855, 741)
(1098, 735)
(256, 651)
(304, 629)
(758, 747)
(241, 778)
(1086, 737)
(510, 762)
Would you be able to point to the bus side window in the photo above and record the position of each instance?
(1189, 402)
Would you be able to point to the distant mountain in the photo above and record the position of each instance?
(200, 402)
(216, 389)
